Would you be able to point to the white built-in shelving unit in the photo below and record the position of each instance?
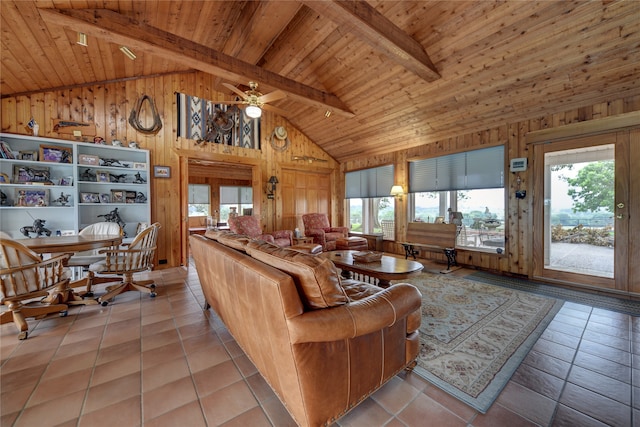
(96, 179)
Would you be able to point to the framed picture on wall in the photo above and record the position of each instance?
(162, 171)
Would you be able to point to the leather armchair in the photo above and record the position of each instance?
(250, 226)
(317, 225)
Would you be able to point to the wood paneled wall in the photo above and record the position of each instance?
(517, 257)
(108, 106)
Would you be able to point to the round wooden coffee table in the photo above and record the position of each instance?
(387, 269)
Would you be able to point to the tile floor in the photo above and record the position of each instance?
(162, 362)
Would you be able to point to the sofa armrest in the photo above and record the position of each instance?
(343, 230)
(356, 318)
(266, 238)
(283, 234)
(317, 234)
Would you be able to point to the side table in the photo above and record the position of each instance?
(301, 240)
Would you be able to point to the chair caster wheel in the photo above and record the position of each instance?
(104, 303)
(64, 313)
(87, 295)
(152, 286)
(153, 294)
(23, 335)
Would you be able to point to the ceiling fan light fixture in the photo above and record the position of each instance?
(253, 111)
(128, 53)
(82, 39)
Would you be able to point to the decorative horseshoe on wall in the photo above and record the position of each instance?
(134, 117)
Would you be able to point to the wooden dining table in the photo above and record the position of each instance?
(69, 245)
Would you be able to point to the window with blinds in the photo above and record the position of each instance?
(475, 169)
(366, 183)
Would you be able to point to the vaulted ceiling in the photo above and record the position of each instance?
(388, 74)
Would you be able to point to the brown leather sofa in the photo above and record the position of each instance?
(323, 343)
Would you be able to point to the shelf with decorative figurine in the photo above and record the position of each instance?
(36, 183)
(71, 184)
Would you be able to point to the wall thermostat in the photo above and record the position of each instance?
(519, 164)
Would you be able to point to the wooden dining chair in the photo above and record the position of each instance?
(24, 277)
(136, 257)
(84, 259)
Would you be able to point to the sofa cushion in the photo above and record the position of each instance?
(233, 240)
(316, 278)
(213, 234)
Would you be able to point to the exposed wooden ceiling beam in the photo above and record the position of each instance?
(120, 29)
(380, 33)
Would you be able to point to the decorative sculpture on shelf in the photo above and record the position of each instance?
(113, 162)
(63, 199)
(139, 179)
(114, 216)
(118, 178)
(38, 228)
(140, 198)
(87, 175)
(3, 198)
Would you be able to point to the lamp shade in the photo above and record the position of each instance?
(396, 190)
(253, 111)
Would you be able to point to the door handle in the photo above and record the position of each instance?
(619, 216)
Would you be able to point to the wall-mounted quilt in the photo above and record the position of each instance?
(205, 121)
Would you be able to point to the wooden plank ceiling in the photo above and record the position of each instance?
(393, 74)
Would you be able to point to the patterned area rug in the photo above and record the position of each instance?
(474, 335)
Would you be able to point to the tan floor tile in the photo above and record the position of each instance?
(188, 415)
(160, 339)
(228, 403)
(154, 357)
(207, 358)
(13, 399)
(115, 391)
(366, 414)
(122, 414)
(172, 395)
(54, 388)
(254, 417)
(216, 378)
(395, 395)
(424, 408)
(164, 373)
(78, 362)
(118, 351)
(115, 369)
(52, 412)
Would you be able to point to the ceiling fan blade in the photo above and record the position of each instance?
(272, 96)
(232, 102)
(276, 110)
(236, 90)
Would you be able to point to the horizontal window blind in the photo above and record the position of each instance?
(367, 183)
(199, 194)
(475, 169)
(236, 195)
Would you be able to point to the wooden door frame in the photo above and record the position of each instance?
(184, 156)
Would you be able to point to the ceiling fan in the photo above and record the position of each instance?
(256, 101)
